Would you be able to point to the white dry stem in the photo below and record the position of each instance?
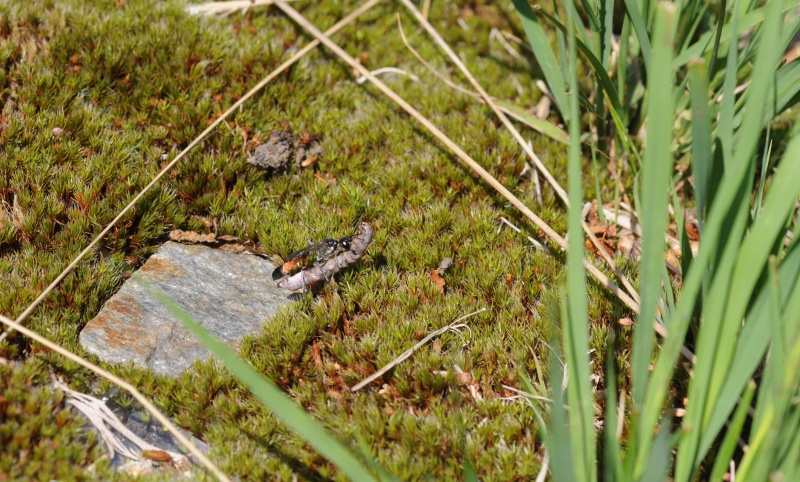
(225, 8)
(545, 466)
(495, 34)
(388, 70)
(533, 241)
(106, 422)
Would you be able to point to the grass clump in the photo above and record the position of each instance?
(724, 83)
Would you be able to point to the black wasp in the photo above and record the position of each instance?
(317, 253)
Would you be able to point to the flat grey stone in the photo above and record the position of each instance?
(229, 294)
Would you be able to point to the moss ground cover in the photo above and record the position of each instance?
(96, 97)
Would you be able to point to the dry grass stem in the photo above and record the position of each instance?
(495, 34)
(338, 26)
(123, 385)
(454, 326)
(524, 394)
(519, 231)
(545, 467)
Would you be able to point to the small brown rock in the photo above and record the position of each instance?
(275, 153)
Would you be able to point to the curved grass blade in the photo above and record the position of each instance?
(702, 160)
(541, 125)
(544, 55)
(609, 90)
(656, 178)
(718, 37)
(632, 9)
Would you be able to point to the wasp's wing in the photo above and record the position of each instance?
(293, 259)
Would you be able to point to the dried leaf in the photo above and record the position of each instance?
(438, 280)
(309, 161)
(157, 455)
(316, 355)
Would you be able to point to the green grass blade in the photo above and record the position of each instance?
(787, 90)
(544, 55)
(632, 10)
(576, 346)
(271, 396)
(542, 126)
(725, 452)
(723, 4)
(702, 159)
(726, 116)
(752, 344)
(597, 67)
(559, 444)
(657, 467)
(622, 67)
(763, 177)
(612, 453)
(656, 172)
(607, 30)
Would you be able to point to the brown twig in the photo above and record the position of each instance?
(316, 274)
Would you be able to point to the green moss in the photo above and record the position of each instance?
(130, 86)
